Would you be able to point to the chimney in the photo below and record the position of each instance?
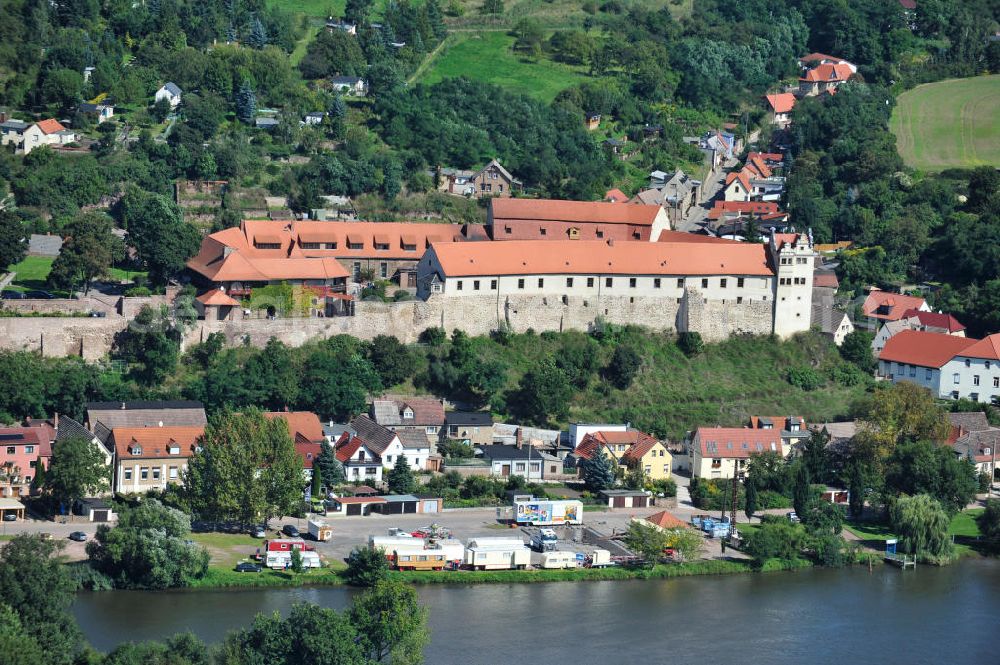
(519, 438)
(55, 420)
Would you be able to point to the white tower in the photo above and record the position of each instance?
(794, 259)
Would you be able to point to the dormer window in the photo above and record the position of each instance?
(174, 448)
(136, 450)
(361, 456)
(408, 413)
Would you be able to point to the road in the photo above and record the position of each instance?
(710, 189)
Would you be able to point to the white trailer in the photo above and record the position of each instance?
(453, 550)
(558, 560)
(542, 512)
(388, 543)
(600, 559)
(497, 554)
(281, 560)
(320, 530)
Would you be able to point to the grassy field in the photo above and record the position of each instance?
(34, 270)
(963, 525)
(949, 124)
(319, 8)
(487, 56)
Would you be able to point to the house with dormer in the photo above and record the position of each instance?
(722, 452)
(387, 444)
(148, 458)
(424, 415)
(630, 449)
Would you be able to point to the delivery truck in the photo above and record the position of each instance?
(544, 540)
(558, 560)
(497, 554)
(320, 530)
(543, 512)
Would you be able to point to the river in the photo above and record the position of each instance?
(949, 615)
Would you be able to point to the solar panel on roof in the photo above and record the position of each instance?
(11, 437)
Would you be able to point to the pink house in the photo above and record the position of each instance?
(22, 449)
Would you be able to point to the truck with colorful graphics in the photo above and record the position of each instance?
(542, 512)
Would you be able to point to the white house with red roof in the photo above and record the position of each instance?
(915, 319)
(781, 106)
(721, 452)
(26, 138)
(882, 306)
(942, 363)
(974, 371)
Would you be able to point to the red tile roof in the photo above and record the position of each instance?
(217, 297)
(925, 349)
(681, 236)
(302, 425)
(154, 442)
(308, 452)
(748, 207)
(552, 210)
(988, 348)
(50, 126)
(828, 72)
(744, 178)
(775, 157)
(665, 520)
(568, 257)
(896, 303)
(615, 196)
(781, 103)
(780, 422)
(826, 279)
(934, 319)
(639, 443)
(736, 442)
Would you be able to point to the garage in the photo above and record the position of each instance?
(11, 507)
(94, 510)
(627, 499)
(399, 504)
(356, 505)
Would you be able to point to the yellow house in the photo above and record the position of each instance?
(631, 449)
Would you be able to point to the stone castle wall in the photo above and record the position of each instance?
(70, 336)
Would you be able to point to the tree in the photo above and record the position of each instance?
(922, 525)
(690, 344)
(399, 640)
(598, 471)
(624, 365)
(646, 541)
(776, 539)
(822, 517)
(247, 470)
(329, 466)
(89, 249)
(391, 359)
(317, 481)
(366, 567)
(157, 230)
(151, 344)
(13, 240)
(181, 649)
(296, 562)
(148, 548)
(750, 506)
(358, 11)
(16, 642)
(337, 382)
(492, 7)
(310, 634)
(161, 109)
(921, 467)
(989, 525)
(78, 469)
(258, 35)
(544, 393)
(898, 413)
(801, 490)
(814, 455)
(401, 480)
(857, 348)
(246, 103)
(38, 588)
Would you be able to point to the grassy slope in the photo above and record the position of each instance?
(487, 56)
(948, 124)
(673, 394)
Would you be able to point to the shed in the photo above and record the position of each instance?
(357, 505)
(627, 498)
(399, 503)
(430, 504)
(364, 490)
(94, 509)
(11, 506)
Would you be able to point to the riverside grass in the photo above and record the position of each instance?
(223, 578)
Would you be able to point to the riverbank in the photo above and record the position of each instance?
(219, 578)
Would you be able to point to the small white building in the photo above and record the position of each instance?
(349, 85)
(170, 92)
(25, 137)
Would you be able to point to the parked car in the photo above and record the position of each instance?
(247, 567)
(9, 517)
(291, 531)
(258, 532)
(78, 536)
(792, 517)
(12, 295)
(39, 295)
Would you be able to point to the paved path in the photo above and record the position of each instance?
(710, 189)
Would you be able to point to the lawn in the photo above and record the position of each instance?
(963, 525)
(227, 549)
(319, 8)
(487, 56)
(31, 273)
(949, 124)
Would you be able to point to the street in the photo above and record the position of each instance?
(710, 189)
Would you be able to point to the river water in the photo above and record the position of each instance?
(947, 616)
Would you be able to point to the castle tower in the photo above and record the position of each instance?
(794, 261)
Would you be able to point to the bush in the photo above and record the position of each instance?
(137, 292)
(366, 567)
(776, 539)
(624, 365)
(805, 378)
(433, 336)
(665, 486)
(690, 343)
(989, 525)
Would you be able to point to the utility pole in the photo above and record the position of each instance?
(732, 514)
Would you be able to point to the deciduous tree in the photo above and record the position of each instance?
(399, 640)
(13, 240)
(922, 525)
(77, 470)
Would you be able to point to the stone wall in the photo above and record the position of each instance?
(105, 304)
(70, 336)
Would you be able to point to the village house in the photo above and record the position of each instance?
(170, 92)
(26, 137)
(389, 445)
(349, 85)
(314, 118)
(306, 431)
(721, 452)
(423, 415)
(339, 25)
(754, 182)
(980, 448)
(22, 451)
(779, 273)
(103, 417)
(880, 307)
(974, 371)
(361, 461)
(630, 449)
(831, 322)
(792, 429)
(525, 461)
(592, 121)
(149, 458)
(493, 180)
(475, 428)
(675, 192)
(825, 78)
(547, 219)
(949, 366)
(780, 106)
(615, 196)
(215, 305)
(101, 112)
(316, 254)
(810, 60)
(70, 429)
(915, 319)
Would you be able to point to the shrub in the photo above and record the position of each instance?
(690, 343)
(366, 567)
(433, 336)
(805, 378)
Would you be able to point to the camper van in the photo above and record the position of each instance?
(559, 560)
